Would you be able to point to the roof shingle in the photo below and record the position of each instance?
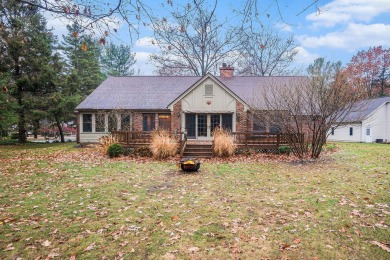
(157, 92)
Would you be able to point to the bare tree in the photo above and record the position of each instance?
(194, 42)
(102, 16)
(311, 106)
(266, 53)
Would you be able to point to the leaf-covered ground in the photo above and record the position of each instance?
(61, 202)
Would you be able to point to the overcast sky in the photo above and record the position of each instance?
(335, 29)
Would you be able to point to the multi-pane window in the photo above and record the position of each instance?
(351, 131)
(112, 122)
(164, 121)
(100, 123)
(227, 122)
(368, 131)
(215, 121)
(125, 122)
(332, 131)
(87, 122)
(148, 122)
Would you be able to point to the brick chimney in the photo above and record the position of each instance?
(226, 71)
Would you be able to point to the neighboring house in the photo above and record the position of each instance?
(193, 104)
(368, 122)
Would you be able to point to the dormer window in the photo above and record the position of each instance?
(208, 90)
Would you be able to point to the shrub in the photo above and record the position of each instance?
(162, 145)
(106, 141)
(115, 150)
(284, 150)
(14, 136)
(223, 143)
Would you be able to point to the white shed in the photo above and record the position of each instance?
(370, 123)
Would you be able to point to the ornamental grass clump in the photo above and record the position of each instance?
(223, 143)
(163, 146)
(106, 141)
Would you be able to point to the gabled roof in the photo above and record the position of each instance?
(363, 109)
(208, 76)
(157, 92)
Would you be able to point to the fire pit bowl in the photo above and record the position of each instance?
(189, 165)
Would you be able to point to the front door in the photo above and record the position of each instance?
(202, 126)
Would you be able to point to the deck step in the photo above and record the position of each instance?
(198, 150)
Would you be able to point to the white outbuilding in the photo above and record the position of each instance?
(369, 123)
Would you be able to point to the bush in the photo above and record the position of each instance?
(162, 145)
(14, 136)
(223, 143)
(284, 150)
(115, 150)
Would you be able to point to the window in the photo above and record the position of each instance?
(274, 129)
(87, 122)
(112, 122)
(215, 121)
(148, 122)
(368, 131)
(125, 122)
(100, 123)
(208, 90)
(259, 126)
(332, 131)
(351, 131)
(227, 122)
(164, 122)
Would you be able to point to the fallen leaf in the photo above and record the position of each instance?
(174, 218)
(46, 243)
(9, 247)
(73, 257)
(381, 245)
(90, 247)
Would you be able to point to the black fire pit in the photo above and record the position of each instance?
(189, 165)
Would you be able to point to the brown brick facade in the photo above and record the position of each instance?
(176, 117)
(242, 120)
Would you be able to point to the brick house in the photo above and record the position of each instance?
(177, 103)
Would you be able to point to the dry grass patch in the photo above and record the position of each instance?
(163, 146)
(223, 143)
(106, 141)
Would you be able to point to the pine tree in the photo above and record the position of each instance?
(83, 67)
(117, 60)
(25, 55)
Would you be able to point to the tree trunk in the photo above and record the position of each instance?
(22, 119)
(36, 128)
(59, 126)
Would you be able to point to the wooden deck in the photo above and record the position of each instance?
(243, 140)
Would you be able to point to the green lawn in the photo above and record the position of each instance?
(58, 201)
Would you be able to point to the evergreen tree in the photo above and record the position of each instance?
(83, 67)
(117, 60)
(25, 55)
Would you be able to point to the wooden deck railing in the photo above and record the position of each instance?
(243, 139)
(265, 139)
(141, 137)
